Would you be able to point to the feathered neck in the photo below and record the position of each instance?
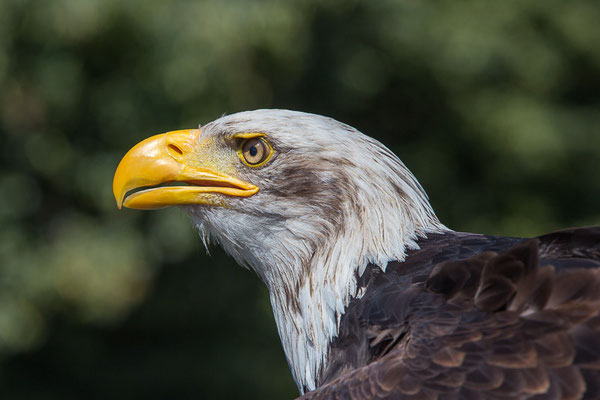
(308, 306)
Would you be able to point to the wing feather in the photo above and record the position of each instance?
(518, 319)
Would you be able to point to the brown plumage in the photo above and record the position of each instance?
(475, 317)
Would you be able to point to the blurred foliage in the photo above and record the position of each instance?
(495, 106)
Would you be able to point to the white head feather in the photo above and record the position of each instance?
(331, 201)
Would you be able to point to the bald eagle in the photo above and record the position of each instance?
(373, 296)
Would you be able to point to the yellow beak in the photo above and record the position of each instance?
(164, 159)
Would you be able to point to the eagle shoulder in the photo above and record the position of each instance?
(473, 316)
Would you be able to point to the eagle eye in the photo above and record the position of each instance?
(256, 151)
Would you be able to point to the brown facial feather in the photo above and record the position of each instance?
(475, 317)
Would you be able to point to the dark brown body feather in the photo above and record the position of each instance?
(474, 317)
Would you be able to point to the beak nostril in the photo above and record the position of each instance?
(175, 149)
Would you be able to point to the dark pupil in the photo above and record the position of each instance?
(253, 150)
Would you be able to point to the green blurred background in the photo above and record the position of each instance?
(495, 106)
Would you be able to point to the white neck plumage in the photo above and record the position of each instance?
(310, 286)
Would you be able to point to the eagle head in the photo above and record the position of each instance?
(305, 201)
